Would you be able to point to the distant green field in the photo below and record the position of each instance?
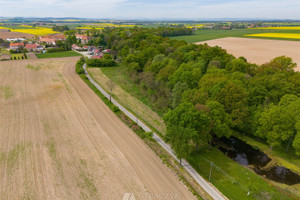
(58, 54)
(203, 35)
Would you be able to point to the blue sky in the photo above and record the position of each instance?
(152, 9)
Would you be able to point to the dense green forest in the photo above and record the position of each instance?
(204, 92)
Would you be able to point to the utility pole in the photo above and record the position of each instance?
(211, 165)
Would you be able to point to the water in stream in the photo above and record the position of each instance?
(246, 155)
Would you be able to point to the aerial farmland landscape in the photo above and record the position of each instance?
(149, 100)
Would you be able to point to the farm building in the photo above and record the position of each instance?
(51, 39)
(15, 39)
(83, 38)
(16, 46)
(31, 47)
(47, 40)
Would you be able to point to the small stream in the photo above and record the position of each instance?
(246, 155)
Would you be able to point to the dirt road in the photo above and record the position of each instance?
(258, 51)
(59, 141)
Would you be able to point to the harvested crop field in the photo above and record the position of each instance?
(60, 141)
(258, 51)
(6, 34)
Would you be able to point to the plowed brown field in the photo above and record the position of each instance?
(7, 34)
(258, 51)
(58, 140)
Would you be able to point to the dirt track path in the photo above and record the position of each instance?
(59, 141)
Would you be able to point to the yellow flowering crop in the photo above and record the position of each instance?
(280, 28)
(33, 30)
(277, 35)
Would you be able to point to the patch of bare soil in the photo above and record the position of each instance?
(258, 51)
(60, 141)
(4, 35)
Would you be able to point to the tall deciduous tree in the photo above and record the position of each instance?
(179, 138)
(296, 143)
(278, 123)
(220, 121)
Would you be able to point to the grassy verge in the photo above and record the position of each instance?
(58, 54)
(120, 76)
(202, 35)
(146, 137)
(131, 103)
(232, 179)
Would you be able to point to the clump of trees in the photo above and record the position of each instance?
(204, 92)
(60, 28)
(79, 66)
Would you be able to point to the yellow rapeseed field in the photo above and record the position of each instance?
(196, 26)
(277, 35)
(32, 30)
(280, 28)
(36, 31)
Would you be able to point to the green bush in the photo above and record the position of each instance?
(79, 69)
(101, 63)
(115, 108)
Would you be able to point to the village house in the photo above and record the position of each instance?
(83, 38)
(98, 56)
(76, 47)
(16, 46)
(51, 39)
(15, 39)
(47, 40)
(34, 47)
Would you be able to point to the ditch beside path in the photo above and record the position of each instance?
(210, 189)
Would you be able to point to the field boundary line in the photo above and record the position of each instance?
(212, 191)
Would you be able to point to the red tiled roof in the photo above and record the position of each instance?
(59, 36)
(56, 37)
(30, 46)
(16, 44)
(46, 39)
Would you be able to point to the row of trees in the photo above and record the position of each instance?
(204, 92)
